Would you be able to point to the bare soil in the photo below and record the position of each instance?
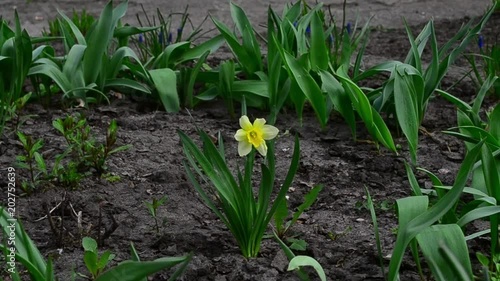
(337, 228)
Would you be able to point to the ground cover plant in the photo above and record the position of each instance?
(143, 182)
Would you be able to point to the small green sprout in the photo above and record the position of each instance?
(93, 262)
(153, 210)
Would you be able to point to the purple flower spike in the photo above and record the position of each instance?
(141, 38)
(308, 30)
(169, 40)
(349, 28)
(160, 37)
(480, 42)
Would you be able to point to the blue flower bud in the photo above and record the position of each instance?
(295, 24)
(308, 30)
(480, 42)
(349, 28)
(141, 38)
(169, 40)
(160, 37)
(330, 38)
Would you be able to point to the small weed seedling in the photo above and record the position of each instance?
(83, 145)
(153, 211)
(93, 262)
(282, 212)
(32, 161)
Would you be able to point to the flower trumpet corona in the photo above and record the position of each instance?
(254, 135)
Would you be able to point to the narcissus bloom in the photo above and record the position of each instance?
(254, 135)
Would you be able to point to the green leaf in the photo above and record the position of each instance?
(406, 88)
(199, 51)
(339, 98)
(309, 88)
(280, 215)
(299, 261)
(426, 219)
(97, 44)
(165, 81)
(309, 199)
(89, 244)
(134, 270)
(250, 43)
(26, 251)
(318, 49)
(90, 259)
(105, 258)
(430, 241)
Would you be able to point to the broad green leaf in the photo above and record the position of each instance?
(165, 81)
(478, 213)
(134, 270)
(309, 87)
(339, 98)
(249, 40)
(98, 44)
(299, 261)
(73, 60)
(127, 83)
(433, 214)
(247, 61)
(494, 122)
(405, 100)
(199, 51)
(430, 241)
(90, 260)
(89, 244)
(319, 51)
(26, 251)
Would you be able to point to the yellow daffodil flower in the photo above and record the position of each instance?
(254, 135)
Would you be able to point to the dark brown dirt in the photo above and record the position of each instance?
(337, 228)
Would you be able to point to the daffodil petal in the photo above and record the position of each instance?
(259, 122)
(244, 148)
(241, 135)
(269, 132)
(245, 123)
(262, 149)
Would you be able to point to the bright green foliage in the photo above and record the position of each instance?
(415, 218)
(95, 264)
(486, 179)
(245, 214)
(407, 92)
(153, 210)
(290, 255)
(32, 161)
(87, 66)
(300, 261)
(82, 145)
(15, 61)
(26, 252)
(248, 52)
(82, 154)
